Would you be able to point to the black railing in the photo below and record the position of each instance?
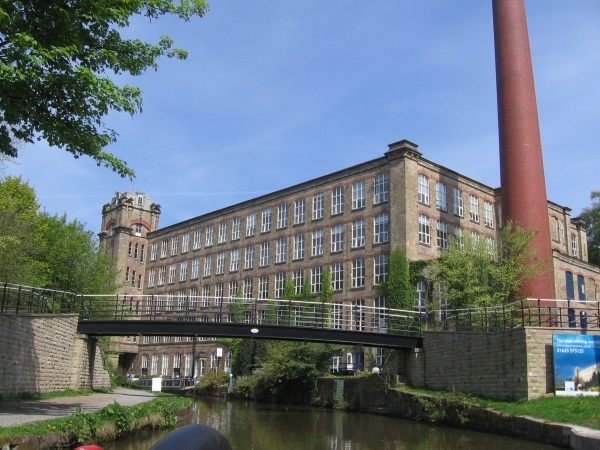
(17, 299)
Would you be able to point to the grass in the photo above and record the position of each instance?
(164, 407)
(582, 411)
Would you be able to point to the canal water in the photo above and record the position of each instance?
(252, 426)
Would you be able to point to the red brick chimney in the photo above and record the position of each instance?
(523, 184)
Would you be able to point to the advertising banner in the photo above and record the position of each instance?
(576, 364)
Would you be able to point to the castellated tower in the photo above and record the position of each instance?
(126, 222)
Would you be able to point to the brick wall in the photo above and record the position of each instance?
(514, 364)
(45, 354)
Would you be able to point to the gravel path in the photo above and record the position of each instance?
(13, 414)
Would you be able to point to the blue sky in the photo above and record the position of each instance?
(277, 93)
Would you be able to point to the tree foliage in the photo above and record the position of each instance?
(591, 217)
(41, 250)
(54, 57)
(399, 290)
(477, 274)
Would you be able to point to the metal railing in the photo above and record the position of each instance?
(355, 316)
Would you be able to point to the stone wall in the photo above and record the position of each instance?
(512, 365)
(45, 354)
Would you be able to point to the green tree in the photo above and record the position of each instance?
(54, 57)
(591, 217)
(398, 290)
(477, 274)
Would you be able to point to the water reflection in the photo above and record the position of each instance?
(250, 426)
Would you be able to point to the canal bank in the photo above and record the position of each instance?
(374, 394)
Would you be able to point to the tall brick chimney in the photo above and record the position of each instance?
(523, 184)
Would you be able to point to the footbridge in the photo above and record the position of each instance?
(204, 316)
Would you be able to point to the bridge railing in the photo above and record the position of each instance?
(524, 313)
(17, 299)
(297, 313)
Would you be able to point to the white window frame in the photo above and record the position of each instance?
(236, 228)
(337, 276)
(265, 252)
(263, 286)
(164, 248)
(251, 224)
(381, 228)
(249, 257)
(358, 273)
(423, 189)
(282, 216)
(185, 242)
(279, 284)
(442, 235)
(172, 273)
(220, 263)
(162, 271)
(234, 263)
(457, 196)
(197, 239)
(222, 232)
(248, 285)
(266, 220)
(474, 208)
(316, 281)
(299, 246)
(318, 242)
(381, 188)
(337, 238)
(424, 229)
(488, 214)
(441, 197)
(358, 194)
(183, 271)
(210, 235)
(298, 281)
(281, 250)
(208, 265)
(195, 268)
(337, 201)
(380, 268)
(174, 245)
(300, 211)
(153, 251)
(358, 233)
(318, 211)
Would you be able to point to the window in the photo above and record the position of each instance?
(282, 215)
(570, 287)
(236, 228)
(151, 277)
(381, 228)
(154, 368)
(337, 201)
(172, 272)
(177, 361)
(337, 276)
(164, 248)
(248, 288)
(185, 243)
(266, 220)
(316, 279)
(574, 246)
(195, 268)
(193, 296)
(423, 189)
(561, 232)
(473, 208)
(249, 258)
(222, 232)
(317, 242)
(162, 270)
(581, 287)
(279, 284)
(299, 246)
(183, 271)
(424, 229)
(298, 281)
(421, 296)
(153, 251)
(219, 294)
(263, 287)
(318, 206)
(440, 196)
(142, 253)
(490, 246)
(281, 250)
(220, 263)
(197, 238)
(251, 224)
(381, 188)
(127, 271)
(174, 245)
(458, 202)
(358, 233)
(233, 289)
(165, 365)
(337, 238)
(488, 214)
(358, 194)
(300, 211)
(208, 265)
(442, 235)
(234, 263)
(381, 268)
(358, 273)
(206, 295)
(189, 358)
(129, 248)
(210, 234)
(145, 360)
(459, 237)
(336, 315)
(265, 250)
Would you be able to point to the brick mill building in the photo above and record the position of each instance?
(347, 222)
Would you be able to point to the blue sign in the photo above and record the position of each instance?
(576, 364)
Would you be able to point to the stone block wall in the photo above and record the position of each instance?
(45, 354)
(513, 364)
